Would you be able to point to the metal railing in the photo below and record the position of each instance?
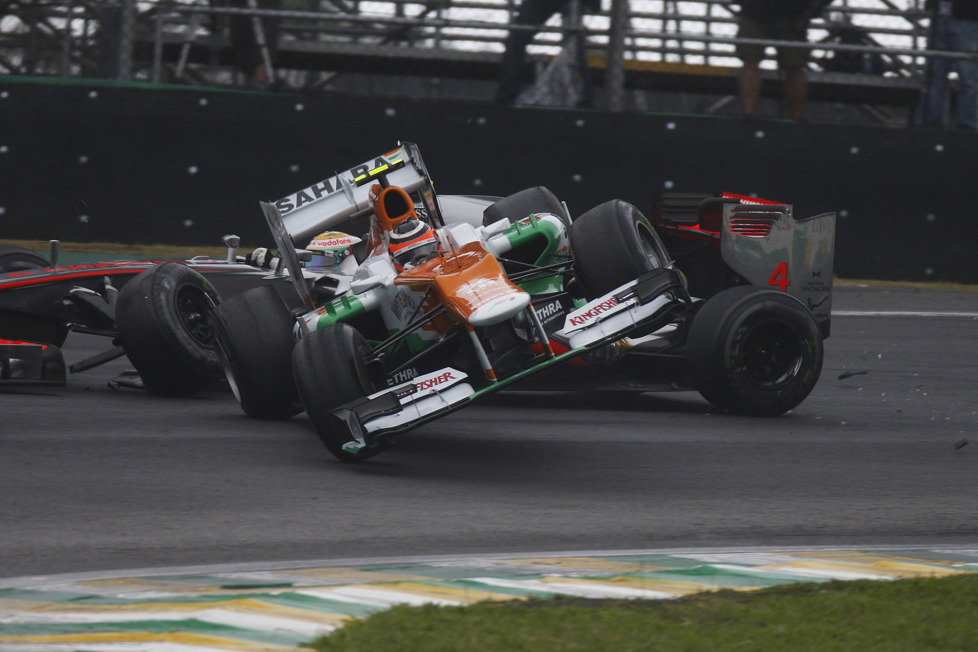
(186, 40)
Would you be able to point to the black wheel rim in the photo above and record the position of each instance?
(647, 240)
(193, 308)
(771, 354)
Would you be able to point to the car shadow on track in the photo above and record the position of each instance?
(686, 402)
(547, 442)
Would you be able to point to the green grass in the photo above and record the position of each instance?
(115, 248)
(916, 615)
(179, 251)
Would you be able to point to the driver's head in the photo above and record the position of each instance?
(412, 242)
(330, 249)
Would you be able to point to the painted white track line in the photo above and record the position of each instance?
(902, 313)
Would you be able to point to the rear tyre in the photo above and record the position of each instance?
(163, 319)
(612, 244)
(754, 351)
(253, 333)
(330, 370)
(537, 199)
(16, 259)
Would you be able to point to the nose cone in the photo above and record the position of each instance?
(500, 309)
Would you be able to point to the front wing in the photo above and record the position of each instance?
(645, 304)
(30, 363)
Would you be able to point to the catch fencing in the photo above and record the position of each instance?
(865, 53)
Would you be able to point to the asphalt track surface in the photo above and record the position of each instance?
(95, 479)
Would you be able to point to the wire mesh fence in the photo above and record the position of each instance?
(863, 53)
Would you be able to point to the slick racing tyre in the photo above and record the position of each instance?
(612, 244)
(330, 369)
(754, 351)
(163, 319)
(537, 199)
(253, 332)
(17, 259)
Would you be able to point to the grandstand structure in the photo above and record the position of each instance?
(867, 56)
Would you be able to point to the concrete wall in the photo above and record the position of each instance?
(186, 165)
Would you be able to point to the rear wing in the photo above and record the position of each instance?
(761, 241)
(767, 246)
(326, 204)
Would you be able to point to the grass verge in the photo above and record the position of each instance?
(179, 251)
(117, 249)
(914, 615)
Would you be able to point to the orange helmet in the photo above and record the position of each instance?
(412, 242)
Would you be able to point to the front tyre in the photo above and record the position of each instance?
(163, 319)
(528, 201)
(612, 244)
(253, 332)
(754, 351)
(330, 370)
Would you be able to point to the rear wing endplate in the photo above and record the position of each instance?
(287, 253)
(768, 247)
(326, 204)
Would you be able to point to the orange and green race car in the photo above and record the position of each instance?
(456, 298)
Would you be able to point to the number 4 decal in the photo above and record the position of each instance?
(780, 277)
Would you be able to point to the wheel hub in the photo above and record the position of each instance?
(193, 309)
(772, 355)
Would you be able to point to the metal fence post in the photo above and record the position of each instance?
(615, 65)
(126, 37)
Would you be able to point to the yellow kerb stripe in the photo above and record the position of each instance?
(179, 638)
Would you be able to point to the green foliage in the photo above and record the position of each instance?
(917, 615)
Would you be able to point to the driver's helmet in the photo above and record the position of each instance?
(330, 249)
(412, 242)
